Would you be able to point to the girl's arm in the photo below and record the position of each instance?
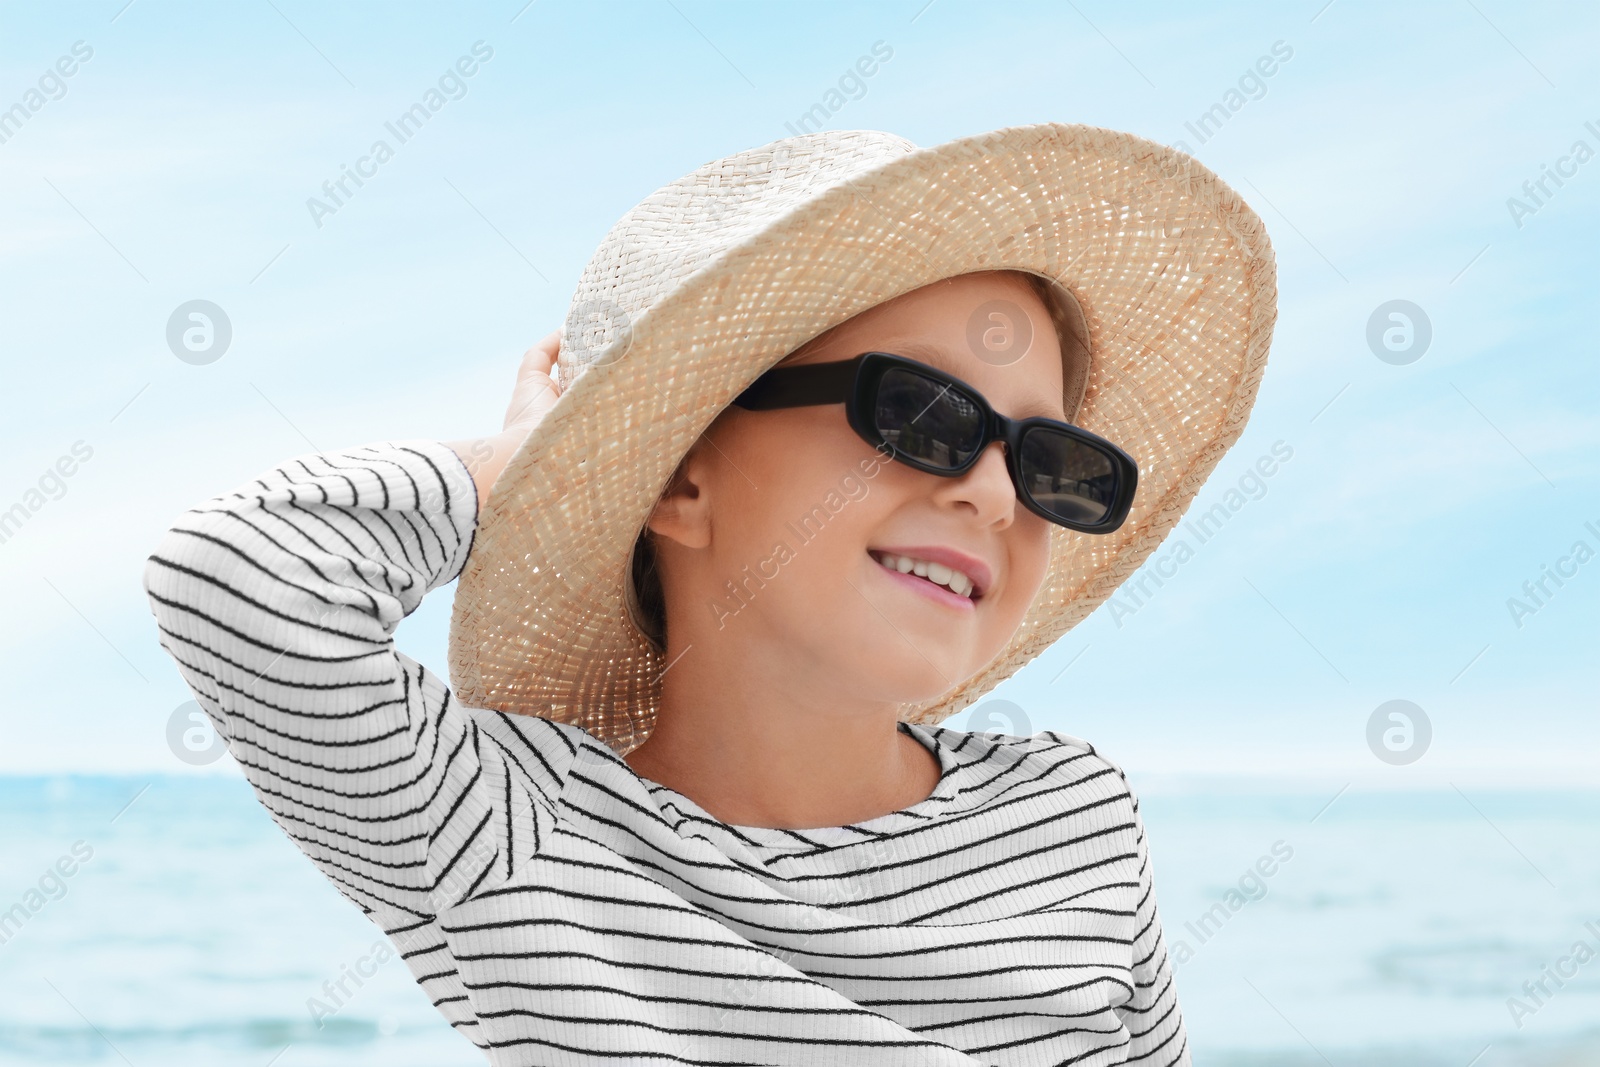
(279, 602)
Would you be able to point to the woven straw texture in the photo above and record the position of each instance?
(715, 277)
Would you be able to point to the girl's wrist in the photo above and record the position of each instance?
(485, 457)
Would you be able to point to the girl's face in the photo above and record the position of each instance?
(769, 544)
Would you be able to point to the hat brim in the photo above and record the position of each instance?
(1172, 269)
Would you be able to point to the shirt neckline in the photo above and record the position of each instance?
(917, 814)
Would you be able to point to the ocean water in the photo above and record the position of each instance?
(1381, 929)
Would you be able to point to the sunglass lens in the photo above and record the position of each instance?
(926, 419)
(1068, 478)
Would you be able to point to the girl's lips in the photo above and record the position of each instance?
(974, 568)
(931, 590)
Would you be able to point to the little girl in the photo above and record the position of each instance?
(747, 840)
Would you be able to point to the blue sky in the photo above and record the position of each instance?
(176, 162)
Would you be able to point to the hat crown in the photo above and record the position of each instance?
(693, 222)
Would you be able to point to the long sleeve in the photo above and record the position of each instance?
(279, 602)
(1152, 1017)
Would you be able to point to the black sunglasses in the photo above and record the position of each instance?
(937, 423)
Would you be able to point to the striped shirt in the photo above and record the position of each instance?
(559, 909)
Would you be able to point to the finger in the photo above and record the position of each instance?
(534, 385)
(543, 354)
(525, 410)
(537, 388)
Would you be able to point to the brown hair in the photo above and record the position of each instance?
(646, 603)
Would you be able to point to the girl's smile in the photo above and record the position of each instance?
(945, 574)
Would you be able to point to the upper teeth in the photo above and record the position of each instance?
(957, 582)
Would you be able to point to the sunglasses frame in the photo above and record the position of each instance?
(855, 383)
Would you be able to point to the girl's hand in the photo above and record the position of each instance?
(534, 394)
(536, 391)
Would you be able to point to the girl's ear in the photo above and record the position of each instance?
(683, 512)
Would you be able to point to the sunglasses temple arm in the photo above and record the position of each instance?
(795, 387)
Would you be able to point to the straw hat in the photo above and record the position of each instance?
(715, 277)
